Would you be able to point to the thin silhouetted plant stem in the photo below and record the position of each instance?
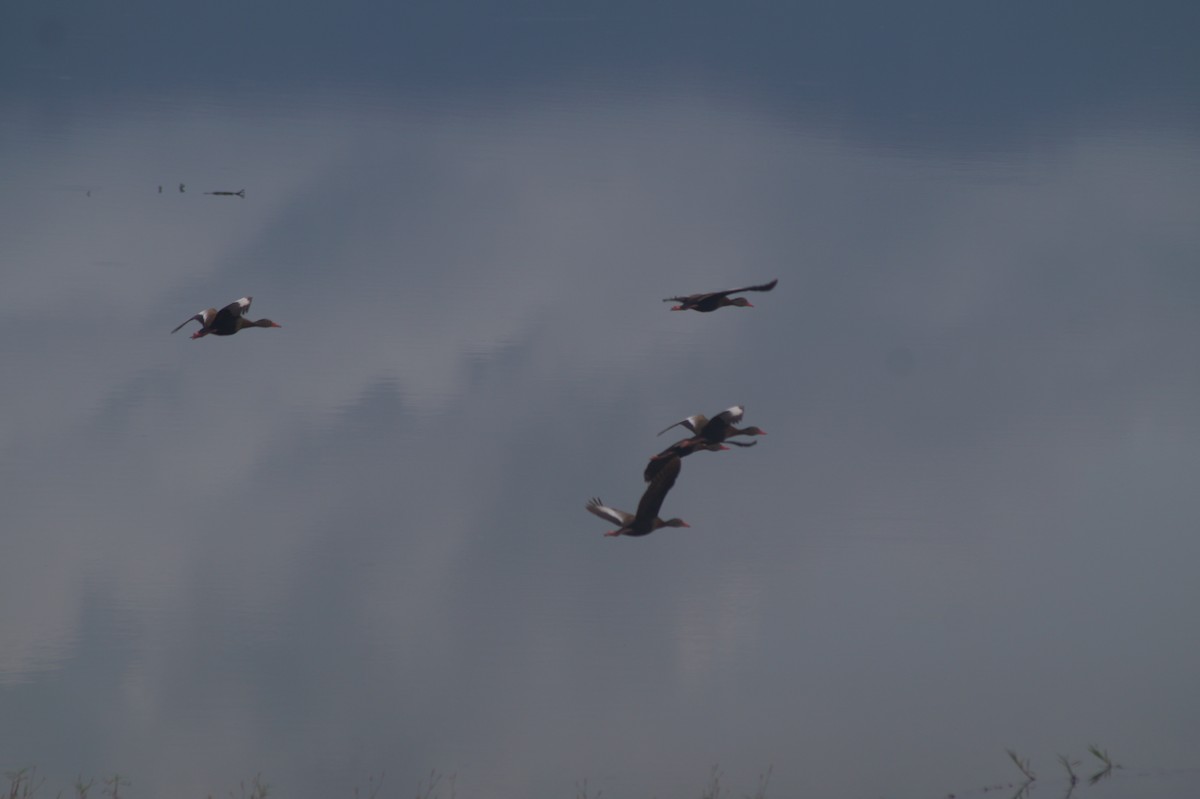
(1067, 764)
(714, 784)
(1102, 756)
(1023, 765)
(113, 786)
(23, 783)
(581, 791)
(435, 779)
(82, 788)
(258, 789)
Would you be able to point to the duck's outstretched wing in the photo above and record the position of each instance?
(694, 423)
(759, 287)
(235, 309)
(617, 517)
(696, 299)
(718, 428)
(702, 425)
(731, 415)
(239, 307)
(203, 317)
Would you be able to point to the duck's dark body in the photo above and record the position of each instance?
(680, 449)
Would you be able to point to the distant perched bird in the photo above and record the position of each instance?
(226, 321)
(720, 428)
(717, 299)
(680, 449)
(646, 520)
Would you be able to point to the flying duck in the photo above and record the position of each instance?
(717, 299)
(720, 428)
(226, 321)
(646, 521)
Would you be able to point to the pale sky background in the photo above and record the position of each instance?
(357, 544)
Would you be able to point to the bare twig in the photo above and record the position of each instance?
(1067, 764)
(435, 779)
(1102, 756)
(113, 786)
(23, 783)
(82, 788)
(581, 791)
(1022, 790)
(258, 789)
(1023, 765)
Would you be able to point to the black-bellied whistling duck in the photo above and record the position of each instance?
(717, 299)
(646, 520)
(226, 321)
(720, 428)
(680, 449)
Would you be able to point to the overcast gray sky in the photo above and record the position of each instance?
(357, 543)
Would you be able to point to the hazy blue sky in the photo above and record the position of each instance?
(358, 544)
(883, 68)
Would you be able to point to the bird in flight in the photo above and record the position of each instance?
(720, 428)
(717, 299)
(226, 321)
(646, 520)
